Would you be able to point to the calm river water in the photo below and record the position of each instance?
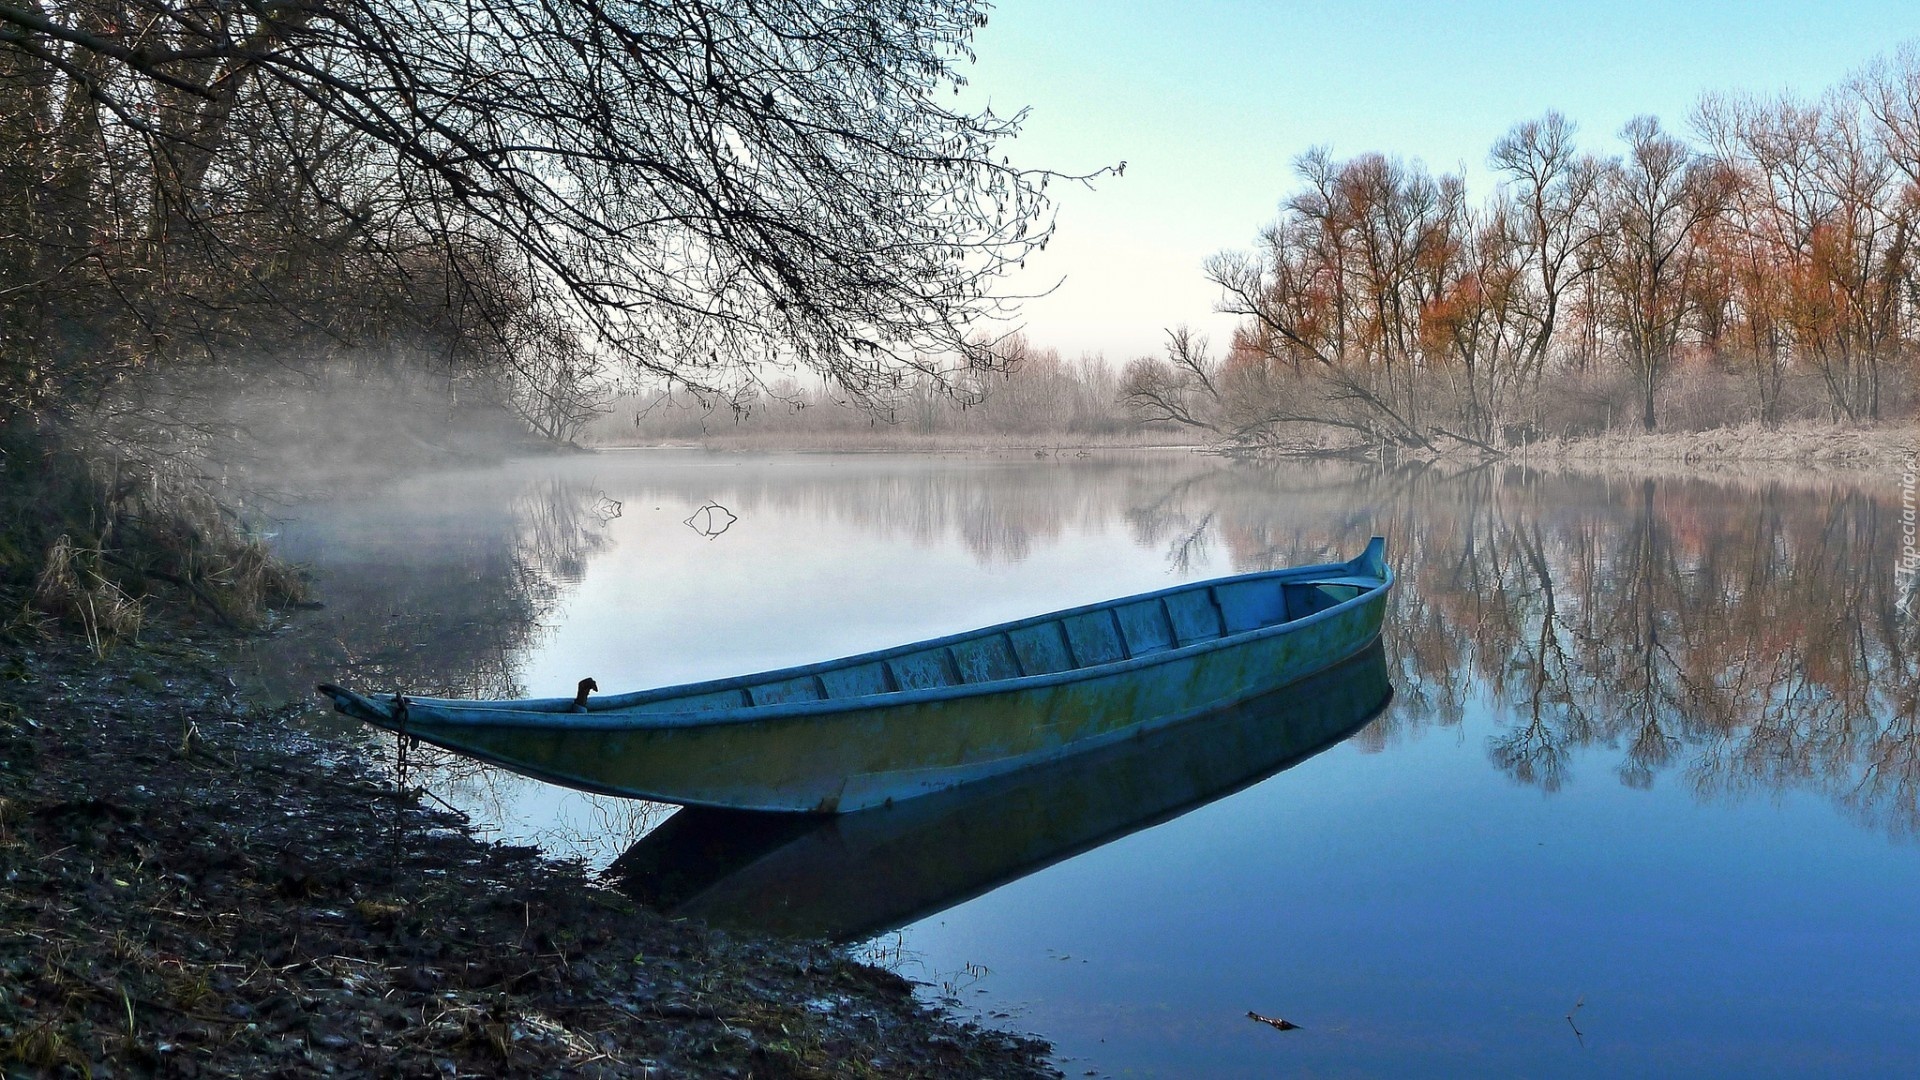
(1644, 800)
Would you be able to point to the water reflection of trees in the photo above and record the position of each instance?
(441, 587)
(1736, 637)
(1741, 637)
(1001, 509)
(438, 588)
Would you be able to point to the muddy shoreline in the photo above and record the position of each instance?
(191, 886)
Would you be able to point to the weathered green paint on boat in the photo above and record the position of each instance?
(904, 722)
(851, 876)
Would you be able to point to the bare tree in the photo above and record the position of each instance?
(1337, 292)
(1866, 253)
(1380, 303)
(1555, 192)
(1889, 90)
(1183, 388)
(1480, 332)
(693, 186)
(1763, 229)
(1653, 203)
(1820, 195)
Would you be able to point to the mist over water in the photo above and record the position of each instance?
(1652, 751)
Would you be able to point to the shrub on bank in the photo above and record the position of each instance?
(91, 535)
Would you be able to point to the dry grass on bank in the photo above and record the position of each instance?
(89, 537)
(1819, 446)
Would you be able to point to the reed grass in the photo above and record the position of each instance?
(71, 587)
(92, 537)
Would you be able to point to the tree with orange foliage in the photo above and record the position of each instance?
(1381, 304)
(1337, 291)
(1753, 244)
(1819, 193)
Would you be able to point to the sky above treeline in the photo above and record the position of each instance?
(1209, 103)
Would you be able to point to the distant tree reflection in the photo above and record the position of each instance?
(1742, 636)
(1739, 637)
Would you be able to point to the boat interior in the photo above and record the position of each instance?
(1104, 634)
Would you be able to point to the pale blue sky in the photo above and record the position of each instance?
(1209, 103)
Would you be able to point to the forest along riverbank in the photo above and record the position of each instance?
(188, 886)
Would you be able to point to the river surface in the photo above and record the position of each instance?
(1643, 801)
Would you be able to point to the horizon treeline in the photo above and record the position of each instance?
(1762, 266)
(1032, 392)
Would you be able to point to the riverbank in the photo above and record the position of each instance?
(190, 886)
(1746, 447)
(1818, 446)
(894, 441)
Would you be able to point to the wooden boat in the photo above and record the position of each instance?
(880, 727)
(849, 877)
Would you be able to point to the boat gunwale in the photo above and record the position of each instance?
(455, 713)
(631, 698)
(581, 783)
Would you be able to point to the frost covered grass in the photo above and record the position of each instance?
(1809, 444)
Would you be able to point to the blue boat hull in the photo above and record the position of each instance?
(879, 728)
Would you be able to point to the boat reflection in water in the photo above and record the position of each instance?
(851, 876)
